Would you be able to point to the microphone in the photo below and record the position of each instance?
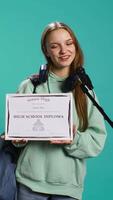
(78, 75)
(84, 78)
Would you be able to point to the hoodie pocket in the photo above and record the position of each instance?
(60, 171)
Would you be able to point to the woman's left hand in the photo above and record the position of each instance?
(60, 141)
(64, 141)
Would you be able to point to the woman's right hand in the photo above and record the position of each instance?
(2, 137)
(19, 142)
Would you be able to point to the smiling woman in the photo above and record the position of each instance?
(55, 170)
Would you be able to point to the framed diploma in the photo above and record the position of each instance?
(39, 116)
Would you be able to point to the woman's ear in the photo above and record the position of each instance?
(46, 52)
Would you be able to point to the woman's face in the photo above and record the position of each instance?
(60, 48)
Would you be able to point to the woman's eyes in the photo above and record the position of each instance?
(54, 46)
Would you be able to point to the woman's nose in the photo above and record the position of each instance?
(62, 49)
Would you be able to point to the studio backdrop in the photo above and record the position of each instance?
(21, 25)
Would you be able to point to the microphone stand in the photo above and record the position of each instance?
(85, 90)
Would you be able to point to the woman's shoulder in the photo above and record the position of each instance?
(25, 82)
(25, 86)
(28, 84)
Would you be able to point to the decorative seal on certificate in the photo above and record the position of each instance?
(38, 126)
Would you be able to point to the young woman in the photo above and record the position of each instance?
(55, 170)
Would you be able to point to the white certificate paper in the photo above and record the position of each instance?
(39, 116)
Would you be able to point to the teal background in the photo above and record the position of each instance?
(21, 25)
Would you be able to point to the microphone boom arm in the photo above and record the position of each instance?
(85, 90)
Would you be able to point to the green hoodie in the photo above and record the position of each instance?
(60, 169)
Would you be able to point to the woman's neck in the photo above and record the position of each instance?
(61, 72)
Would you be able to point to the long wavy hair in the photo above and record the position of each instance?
(79, 96)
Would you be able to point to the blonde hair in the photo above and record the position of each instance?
(79, 96)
